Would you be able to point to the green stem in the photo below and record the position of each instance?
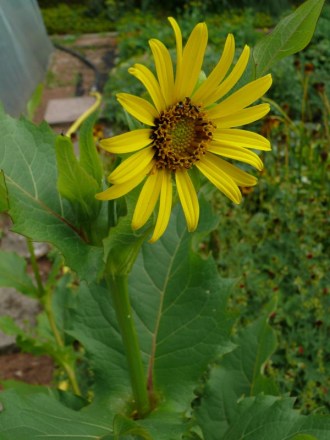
(45, 296)
(72, 378)
(35, 267)
(304, 100)
(51, 318)
(118, 285)
(47, 301)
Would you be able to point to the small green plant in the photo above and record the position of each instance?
(64, 19)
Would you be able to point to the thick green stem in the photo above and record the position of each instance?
(119, 291)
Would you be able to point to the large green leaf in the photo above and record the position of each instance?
(272, 418)
(27, 157)
(40, 416)
(13, 274)
(34, 413)
(180, 302)
(238, 374)
(179, 305)
(291, 35)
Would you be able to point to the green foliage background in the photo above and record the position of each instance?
(277, 242)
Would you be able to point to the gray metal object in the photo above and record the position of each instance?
(25, 49)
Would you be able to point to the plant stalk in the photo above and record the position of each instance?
(45, 296)
(118, 285)
(47, 301)
(35, 267)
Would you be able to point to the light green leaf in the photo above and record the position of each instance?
(27, 157)
(35, 101)
(291, 35)
(74, 183)
(4, 206)
(239, 374)
(36, 343)
(304, 437)
(9, 326)
(272, 418)
(88, 155)
(122, 246)
(13, 274)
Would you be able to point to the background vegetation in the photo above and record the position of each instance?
(276, 244)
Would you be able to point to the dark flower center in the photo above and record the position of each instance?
(181, 136)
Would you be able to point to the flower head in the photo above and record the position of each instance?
(190, 124)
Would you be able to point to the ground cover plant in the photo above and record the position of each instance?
(150, 340)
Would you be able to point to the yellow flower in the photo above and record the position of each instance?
(191, 124)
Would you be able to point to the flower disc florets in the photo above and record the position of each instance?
(181, 136)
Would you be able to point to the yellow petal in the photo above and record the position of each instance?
(213, 170)
(239, 176)
(127, 142)
(236, 153)
(241, 138)
(232, 78)
(243, 117)
(245, 96)
(188, 198)
(141, 109)
(120, 190)
(147, 200)
(149, 81)
(132, 166)
(178, 39)
(192, 60)
(164, 69)
(207, 88)
(165, 206)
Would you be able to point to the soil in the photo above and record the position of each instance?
(67, 76)
(35, 370)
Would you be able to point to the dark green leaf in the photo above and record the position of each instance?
(239, 374)
(27, 157)
(272, 418)
(40, 416)
(123, 426)
(291, 35)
